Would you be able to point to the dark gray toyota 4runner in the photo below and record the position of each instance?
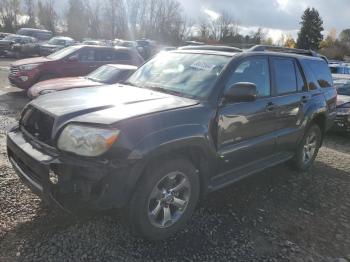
(185, 124)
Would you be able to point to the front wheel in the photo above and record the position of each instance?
(164, 200)
(308, 148)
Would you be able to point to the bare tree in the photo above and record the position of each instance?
(29, 6)
(94, 19)
(223, 26)
(9, 11)
(76, 13)
(47, 15)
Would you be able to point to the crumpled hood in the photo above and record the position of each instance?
(34, 60)
(341, 99)
(59, 84)
(107, 104)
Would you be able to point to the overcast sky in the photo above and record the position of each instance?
(276, 15)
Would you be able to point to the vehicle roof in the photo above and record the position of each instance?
(231, 54)
(293, 55)
(63, 37)
(123, 48)
(124, 67)
(35, 29)
(21, 36)
(223, 48)
(205, 52)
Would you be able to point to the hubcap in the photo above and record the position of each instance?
(169, 199)
(309, 147)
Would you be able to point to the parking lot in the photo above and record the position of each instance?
(277, 215)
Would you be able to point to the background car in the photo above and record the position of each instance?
(341, 68)
(77, 60)
(342, 84)
(55, 44)
(39, 34)
(3, 35)
(17, 46)
(105, 75)
(94, 42)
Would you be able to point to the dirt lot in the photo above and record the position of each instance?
(277, 215)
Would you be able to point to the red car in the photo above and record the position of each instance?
(105, 75)
(71, 61)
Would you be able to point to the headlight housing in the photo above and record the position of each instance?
(85, 140)
(28, 67)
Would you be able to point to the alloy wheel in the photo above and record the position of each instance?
(169, 199)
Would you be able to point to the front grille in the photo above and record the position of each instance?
(14, 70)
(38, 124)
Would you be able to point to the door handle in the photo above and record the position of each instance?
(270, 106)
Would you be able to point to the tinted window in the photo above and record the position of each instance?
(122, 56)
(254, 70)
(105, 55)
(285, 77)
(87, 55)
(321, 72)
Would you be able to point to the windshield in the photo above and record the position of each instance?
(342, 86)
(105, 74)
(189, 75)
(57, 41)
(63, 53)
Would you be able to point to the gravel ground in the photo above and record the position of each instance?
(277, 215)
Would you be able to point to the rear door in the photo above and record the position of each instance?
(81, 63)
(245, 129)
(290, 95)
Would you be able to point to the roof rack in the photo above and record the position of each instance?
(270, 48)
(221, 48)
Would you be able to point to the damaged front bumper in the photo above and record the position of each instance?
(68, 182)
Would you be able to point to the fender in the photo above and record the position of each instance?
(318, 106)
(173, 138)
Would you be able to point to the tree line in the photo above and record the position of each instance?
(161, 20)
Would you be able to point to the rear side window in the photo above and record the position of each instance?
(285, 75)
(321, 73)
(87, 55)
(105, 55)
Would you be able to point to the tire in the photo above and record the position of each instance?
(179, 206)
(305, 153)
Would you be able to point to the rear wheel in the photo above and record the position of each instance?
(164, 199)
(308, 148)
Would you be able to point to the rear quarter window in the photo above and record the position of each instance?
(320, 72)
(120, 55)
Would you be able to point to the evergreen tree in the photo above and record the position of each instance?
(310, 34)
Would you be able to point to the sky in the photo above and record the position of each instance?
(277, 16)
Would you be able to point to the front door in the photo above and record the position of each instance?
(245, 129)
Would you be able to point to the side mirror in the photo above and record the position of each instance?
(241, 92)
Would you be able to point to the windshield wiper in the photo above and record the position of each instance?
(164, 90)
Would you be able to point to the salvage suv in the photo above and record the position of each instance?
(183, 125)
